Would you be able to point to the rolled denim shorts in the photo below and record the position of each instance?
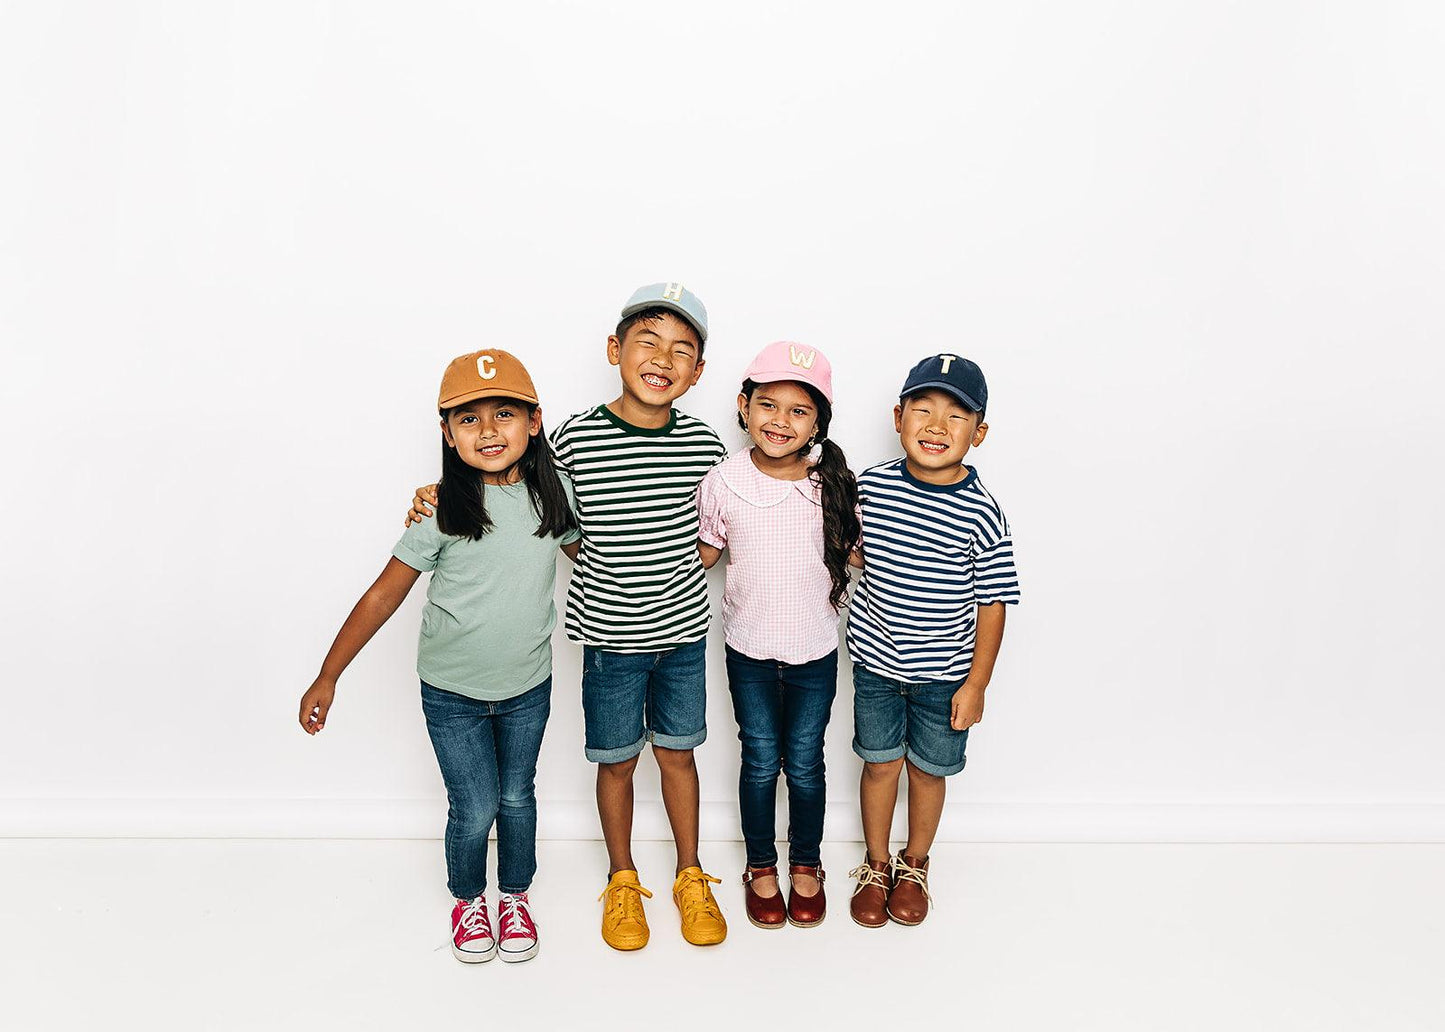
(632, 698)
(893, 718)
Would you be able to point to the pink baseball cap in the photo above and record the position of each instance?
(789, 360)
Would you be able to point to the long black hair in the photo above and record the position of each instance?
(461, 495)
(841, 530)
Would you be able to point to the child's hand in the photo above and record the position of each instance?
(967, 707)
(421, 505)
(315, 704)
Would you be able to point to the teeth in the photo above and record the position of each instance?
(935, 448)
(656, 381)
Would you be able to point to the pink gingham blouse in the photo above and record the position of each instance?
(775, 605)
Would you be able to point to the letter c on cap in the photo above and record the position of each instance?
(484, 367)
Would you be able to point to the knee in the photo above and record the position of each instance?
(806, 769)
(760, 766)
(472, 816)
(883, 772)
(917, 776)
(518, 798)
(674, 760)
(619, 771)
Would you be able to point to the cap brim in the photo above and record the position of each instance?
(947, 388)
(788, 376)
(490, 392)
(671, 306)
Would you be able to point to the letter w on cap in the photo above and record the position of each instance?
(799, 359)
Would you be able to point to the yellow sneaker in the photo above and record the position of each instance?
(624, 925)
(702, 921)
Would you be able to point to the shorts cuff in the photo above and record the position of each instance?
(627, 752)
(879, 755)
(933, 768)
(679, 742)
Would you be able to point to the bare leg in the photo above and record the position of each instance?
(925, 808)
(680, 797)
(878, 795)
(614, 807)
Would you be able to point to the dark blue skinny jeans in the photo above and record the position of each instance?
(487, 752)
(782, 710)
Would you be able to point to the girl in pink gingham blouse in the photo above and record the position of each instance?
(785, 509)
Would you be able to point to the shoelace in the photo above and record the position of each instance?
(695, 894)
(904, 871)
(474, 917)
(626, 898)
(514, 916)
(867, 876)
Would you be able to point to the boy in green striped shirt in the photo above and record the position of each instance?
(638, 600)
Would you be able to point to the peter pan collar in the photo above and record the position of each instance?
(755, 487)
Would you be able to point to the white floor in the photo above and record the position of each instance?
(352, 935)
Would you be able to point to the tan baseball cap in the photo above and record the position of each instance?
(489, 373)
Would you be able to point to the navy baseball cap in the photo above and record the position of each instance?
(674, 297)
(952, 373)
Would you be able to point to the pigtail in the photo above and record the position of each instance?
(841, 530)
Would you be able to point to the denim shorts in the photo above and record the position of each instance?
(632, 698)
(893, 718)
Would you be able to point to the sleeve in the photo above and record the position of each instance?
(572, 536)
(712, 527)
(995, 579)
(562, 452)
(420, 546)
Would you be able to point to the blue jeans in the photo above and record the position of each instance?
(632, 698)
(893, 719)
(487, 752)
(782, 710)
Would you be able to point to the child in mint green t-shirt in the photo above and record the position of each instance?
(485, 652)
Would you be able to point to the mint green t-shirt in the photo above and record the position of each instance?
(486, 631)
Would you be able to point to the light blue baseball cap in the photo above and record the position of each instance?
(674, 297)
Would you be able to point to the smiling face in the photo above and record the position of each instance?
(780, 418)
(658, 359)
(936, 431)
(492, 435)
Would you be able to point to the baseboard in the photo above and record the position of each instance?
(577, 819)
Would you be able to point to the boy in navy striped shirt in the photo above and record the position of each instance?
(925, 625)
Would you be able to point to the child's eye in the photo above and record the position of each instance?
(467, 419)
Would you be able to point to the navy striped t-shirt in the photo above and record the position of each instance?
(931, 554)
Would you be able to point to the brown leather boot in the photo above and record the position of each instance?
(908, 902)
(764, 911)
(869, 905)
(806, 911)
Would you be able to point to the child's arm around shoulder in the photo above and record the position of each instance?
(370, 612)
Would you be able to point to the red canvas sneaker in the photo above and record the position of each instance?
(472, 941)
(516, 929)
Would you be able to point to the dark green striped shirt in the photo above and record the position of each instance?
(638, 585)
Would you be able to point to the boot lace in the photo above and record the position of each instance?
(904, 871)
(867, 876)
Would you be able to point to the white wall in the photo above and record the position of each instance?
(1196, 247)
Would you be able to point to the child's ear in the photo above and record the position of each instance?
(898, 419)
(980, 434)
(534, 425)
(614, 350)
(447, 435)
(697, 372)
